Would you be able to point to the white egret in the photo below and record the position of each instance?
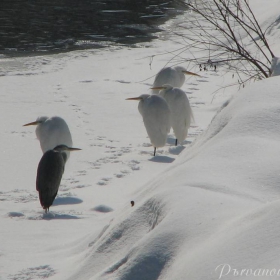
(181, 112)
(156, 117)
(49, 174)
(174, 76)
(52, 132)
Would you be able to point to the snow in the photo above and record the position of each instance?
(205, 210)
(275, 66)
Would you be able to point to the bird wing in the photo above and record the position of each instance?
(49, 174)
(157, 122)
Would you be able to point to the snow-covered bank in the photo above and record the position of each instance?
(217, 204)
(88, 89)
(196, 207)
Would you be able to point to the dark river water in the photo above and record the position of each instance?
(45, 26)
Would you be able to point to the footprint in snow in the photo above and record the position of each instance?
(15, 215)
(18, 196)
(86, 81)
(198, 103)
(176, 150)
(100, 138)
(104, 181)
(134, 165)
(146, 145)
(81, 173)
(203, 81)
(123, 82)
(122, 173)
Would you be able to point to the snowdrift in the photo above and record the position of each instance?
(214, 213)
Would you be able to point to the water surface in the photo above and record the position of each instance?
(62, 25)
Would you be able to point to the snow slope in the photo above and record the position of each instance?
(217, 204)
(201, 210)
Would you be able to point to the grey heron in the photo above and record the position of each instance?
(49, 174)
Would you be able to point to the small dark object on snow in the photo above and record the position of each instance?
(132, 203)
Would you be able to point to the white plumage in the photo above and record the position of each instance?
(52, 132)
(181, 112)
(174, 76)
(156, 117)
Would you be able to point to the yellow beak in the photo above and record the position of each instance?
(190, 73)
(32, 123)
(74, 149)
(134, 98)
(158, 88)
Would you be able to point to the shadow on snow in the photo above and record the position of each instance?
(66, 200)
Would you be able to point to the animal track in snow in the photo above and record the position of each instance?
(81, 173)
(176, 150)
(86, 81)
(114, 156)
(134, 165)
(199, 103)
(122, 173)
(100, 138)
(71, 183)
(18, 196)
(104, 181)
(15, 215)
(95, 165)
(123, 82)
(146, 145)
(203, 81)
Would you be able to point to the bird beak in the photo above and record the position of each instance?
(190, 73)
(158, 88)
(32, 123)
(73, 149)
(134, 98)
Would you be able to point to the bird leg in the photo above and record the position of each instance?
(176, 141)
(155, 151)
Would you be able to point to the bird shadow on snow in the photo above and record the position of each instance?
(52, 216)
(162, 159)
(15, 215)
(66, 200)
(170, 140)
(102, 208)
(58, 216)
(176, 150)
